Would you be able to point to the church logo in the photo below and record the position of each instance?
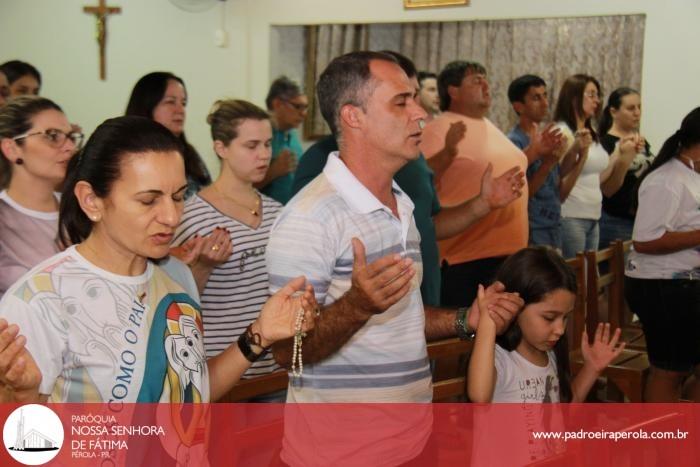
(33, 434)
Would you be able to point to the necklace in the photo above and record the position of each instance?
(297, 363)
(254, 211)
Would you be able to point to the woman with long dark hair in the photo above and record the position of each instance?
(619, 128)
(161, 96)
(662, 283)
(595, 173)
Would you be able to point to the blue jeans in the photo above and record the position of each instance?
(578, 235)
(613, 228)
(547, 236)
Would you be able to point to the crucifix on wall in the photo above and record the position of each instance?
(101, 12)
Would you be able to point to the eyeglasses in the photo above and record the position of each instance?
(591, 95)
(298, 107)
(55, 137)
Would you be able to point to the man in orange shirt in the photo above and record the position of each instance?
(472, 257)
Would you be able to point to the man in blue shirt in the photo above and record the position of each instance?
(528, 96)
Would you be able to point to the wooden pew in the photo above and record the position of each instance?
(453, 387)
(258, 386)
(629, 370)
(578, 319)
(619, 313)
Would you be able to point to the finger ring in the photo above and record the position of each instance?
(215, 248)
(514, 188)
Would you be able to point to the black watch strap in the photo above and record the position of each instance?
(246, 344)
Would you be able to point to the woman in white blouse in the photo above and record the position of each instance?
(662, 283)
(594, 174)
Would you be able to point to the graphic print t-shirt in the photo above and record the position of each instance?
(100, 337)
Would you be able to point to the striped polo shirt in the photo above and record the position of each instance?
(237, 289)
(386, 360)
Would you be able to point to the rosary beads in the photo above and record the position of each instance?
(297, 362)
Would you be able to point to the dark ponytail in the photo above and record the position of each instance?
(99, 164)
(535, 272)
(687, 135)
(15, 119)
(614, 102)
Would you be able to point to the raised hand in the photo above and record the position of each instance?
(209, 251)
(454, 135)
(546, 143)
(604, 348)
(378, 285)
(216, 247)
(18, 370)
(641, 144)
(583, 139)
(503, 190)
(502, 306)
(277, 320)
(628, 145)
(283, 164)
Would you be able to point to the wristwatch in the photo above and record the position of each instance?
(461, 326)
(249, 343)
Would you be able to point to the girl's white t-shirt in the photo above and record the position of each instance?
(521, 381)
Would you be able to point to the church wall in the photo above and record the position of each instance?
(149, 35)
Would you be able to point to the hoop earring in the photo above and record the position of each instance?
(19, 161)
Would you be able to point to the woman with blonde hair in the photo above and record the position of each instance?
(236, 288)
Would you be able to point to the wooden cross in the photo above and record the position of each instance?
(101, 12)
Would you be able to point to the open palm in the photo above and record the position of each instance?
(604, 348)
(18, 369)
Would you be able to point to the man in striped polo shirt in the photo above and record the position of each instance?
(369, 343)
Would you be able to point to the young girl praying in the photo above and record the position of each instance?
(529, 363)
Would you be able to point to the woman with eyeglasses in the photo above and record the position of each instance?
(618, 125)
(594, 173)
(235, 289)
(37, 142)
(102, 321)
(161, 96)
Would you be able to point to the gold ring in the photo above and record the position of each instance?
(215, 248)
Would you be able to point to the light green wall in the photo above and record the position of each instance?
(57, 37)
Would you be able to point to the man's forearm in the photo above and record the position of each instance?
(441, 161)
(538, 178)
(333, 329)
(453, 220)
(439, 323)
